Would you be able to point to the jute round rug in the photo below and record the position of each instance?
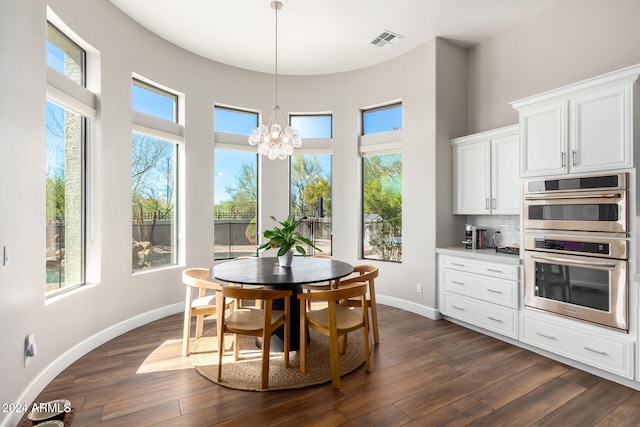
(244, 374)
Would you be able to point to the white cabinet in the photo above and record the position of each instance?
(481, 293)
(601, 130)
(584, 127)
(486, 175)
(543, 137)
(595, 346)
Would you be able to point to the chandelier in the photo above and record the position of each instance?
(275, 139)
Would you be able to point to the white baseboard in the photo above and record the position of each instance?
(74, 353)
(422, 310)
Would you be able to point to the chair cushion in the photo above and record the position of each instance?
(345, 317)
(249, 319)
(204, 301)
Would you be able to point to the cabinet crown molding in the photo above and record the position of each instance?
(489, 134)
(624, 75)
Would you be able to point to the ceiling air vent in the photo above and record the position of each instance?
(387, 39)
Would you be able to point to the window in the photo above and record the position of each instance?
(153, 101)
(65, 172)
(382, 182)
(382, 207)
(65, 56)
(231, 120)
(311, 198)
(236, 203)
(313, 125)
(382, 119)
(311, 181)
(153, 179)
(235, 187)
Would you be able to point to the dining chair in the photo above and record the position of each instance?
(197, 280)
(335, 321)
(365, 273)
(254, 322)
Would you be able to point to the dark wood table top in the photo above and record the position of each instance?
(266, 271)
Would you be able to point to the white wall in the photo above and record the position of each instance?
(115, 301)
(574, 41)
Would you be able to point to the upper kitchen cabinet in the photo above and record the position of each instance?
(486, 177)
(584, 127)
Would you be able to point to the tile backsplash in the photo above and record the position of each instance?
(507, 225)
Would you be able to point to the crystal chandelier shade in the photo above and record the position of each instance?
(275, 139)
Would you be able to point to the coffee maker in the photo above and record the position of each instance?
(474, 237)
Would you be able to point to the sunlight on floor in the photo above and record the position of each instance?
(166, 357)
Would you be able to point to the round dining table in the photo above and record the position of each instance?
(265, 271)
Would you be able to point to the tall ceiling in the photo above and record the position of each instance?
(322, 36)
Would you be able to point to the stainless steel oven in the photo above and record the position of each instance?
(576, 248)
(586, 204)
(580, 277)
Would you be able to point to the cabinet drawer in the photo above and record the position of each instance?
(490, 289)
(489, 316)
(586, 345)
(481, 267)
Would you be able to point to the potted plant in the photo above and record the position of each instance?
(286, 238)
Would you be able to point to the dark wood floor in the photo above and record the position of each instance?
(425, 373)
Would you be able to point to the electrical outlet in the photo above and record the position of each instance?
(419, 288)
(30, 349)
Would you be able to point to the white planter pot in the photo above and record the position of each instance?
(286, 259)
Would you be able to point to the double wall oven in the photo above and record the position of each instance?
(576, 248)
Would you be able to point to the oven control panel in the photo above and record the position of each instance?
(573, 246)
(577, 245)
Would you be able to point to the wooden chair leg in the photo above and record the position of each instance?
(220, 346)
(199, 326)
(367, 350)
(236, 348)
(266, 347)
(374, 319)
(335, 361)
(303, 337)
(186, 333)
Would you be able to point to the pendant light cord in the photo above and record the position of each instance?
(276, 6)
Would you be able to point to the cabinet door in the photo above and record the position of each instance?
(505, 177)
(601, 130)
(543, 140)
(472, 164)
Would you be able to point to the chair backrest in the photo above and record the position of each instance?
(351, 290)
(199, 278)
(252, 293)
(323, 256)
(366, 273)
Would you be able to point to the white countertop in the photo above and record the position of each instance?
(486, 254)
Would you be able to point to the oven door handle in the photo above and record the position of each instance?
(571, 261)
(577, 196)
